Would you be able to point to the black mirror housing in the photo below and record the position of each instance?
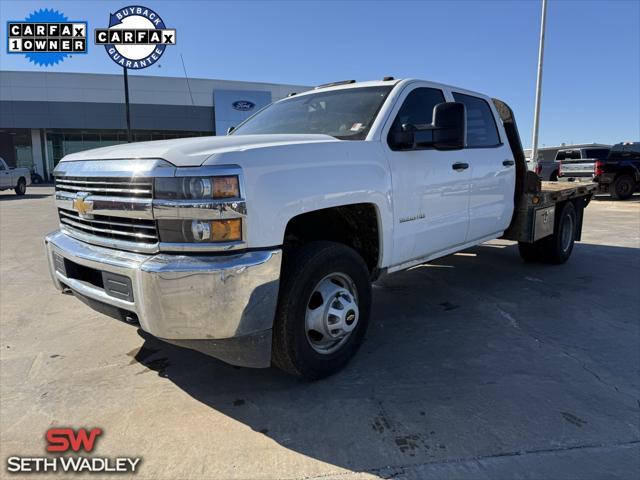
(449, 126)
(447, 131)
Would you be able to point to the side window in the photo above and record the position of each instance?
(417, 110)
(597, 153)
(481, 125)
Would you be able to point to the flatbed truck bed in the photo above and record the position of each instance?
(551, 192)
(541, 208)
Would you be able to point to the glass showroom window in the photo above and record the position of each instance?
(64, 142)
(16, 147)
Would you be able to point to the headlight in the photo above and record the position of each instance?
(200, 231)
(197, 188)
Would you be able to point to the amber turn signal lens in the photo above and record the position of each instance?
(226, 230)
(226, 187)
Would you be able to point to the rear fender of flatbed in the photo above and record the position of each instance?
(534, 215)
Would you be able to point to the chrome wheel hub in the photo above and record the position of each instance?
(567, 233)
(332, 313)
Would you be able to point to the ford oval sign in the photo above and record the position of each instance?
(243, 105)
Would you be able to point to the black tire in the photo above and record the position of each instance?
(303, 271)
(557, 247)
(623, 187)
(21, 187)
(554, 176)
(530, 252)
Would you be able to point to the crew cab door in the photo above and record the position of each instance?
(492, 169)
(430, 187)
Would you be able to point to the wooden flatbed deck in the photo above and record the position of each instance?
(552, 192)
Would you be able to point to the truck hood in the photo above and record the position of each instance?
(194, 151)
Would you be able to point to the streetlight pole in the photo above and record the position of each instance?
(536, 115)
(126, 102)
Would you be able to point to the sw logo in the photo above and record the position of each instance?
(65, 439)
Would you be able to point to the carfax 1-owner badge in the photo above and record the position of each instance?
(136, 38)
(46, 37)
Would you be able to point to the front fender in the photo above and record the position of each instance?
(286, 181)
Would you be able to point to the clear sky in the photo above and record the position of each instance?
(591, 87)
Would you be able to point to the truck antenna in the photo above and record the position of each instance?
(186, 77)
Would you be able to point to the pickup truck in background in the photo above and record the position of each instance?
(14, 178)
(577, 164)
(617, 173)
(260, 247)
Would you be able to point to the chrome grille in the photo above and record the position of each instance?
(114, 228)
(112, 187)
(116, 211)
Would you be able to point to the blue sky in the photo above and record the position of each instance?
(592, 59)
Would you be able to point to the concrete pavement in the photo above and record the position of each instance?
(475, 366)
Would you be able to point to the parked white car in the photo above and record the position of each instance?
(14, 178)
(260, 247)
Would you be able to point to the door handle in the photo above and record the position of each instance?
(459, 166)
(508, 163)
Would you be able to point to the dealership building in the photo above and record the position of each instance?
(45, 116)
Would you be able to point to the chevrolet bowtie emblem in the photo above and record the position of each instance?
(81, 205)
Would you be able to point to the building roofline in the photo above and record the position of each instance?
(273, 84)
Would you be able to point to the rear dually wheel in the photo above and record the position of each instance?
(555, 248)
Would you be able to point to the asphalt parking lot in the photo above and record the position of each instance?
(475, 366)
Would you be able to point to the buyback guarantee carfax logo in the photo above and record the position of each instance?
(46, 37)
(136, 38)
(67, 440)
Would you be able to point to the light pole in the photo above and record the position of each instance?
(536, 114)
(126, 103)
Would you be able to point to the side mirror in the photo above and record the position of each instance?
(446, 132)
(230, 129)
(450, 126)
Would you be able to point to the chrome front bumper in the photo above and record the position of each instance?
(184, 299)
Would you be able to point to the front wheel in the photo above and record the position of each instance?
(323, 310)
(623, 187)
(21, 188)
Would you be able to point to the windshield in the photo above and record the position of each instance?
(345, 114)
(568, 155)
(625, 151)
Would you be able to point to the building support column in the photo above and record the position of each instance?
(38, 156)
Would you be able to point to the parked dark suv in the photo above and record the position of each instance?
(619, 174)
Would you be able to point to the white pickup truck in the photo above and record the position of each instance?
(15, 179)
(260, 247)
